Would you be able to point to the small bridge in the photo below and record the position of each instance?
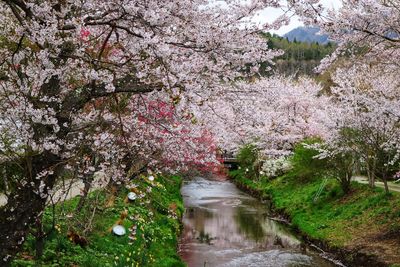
(229, 161)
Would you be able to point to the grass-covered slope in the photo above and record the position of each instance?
(365, 220)
(153, 220)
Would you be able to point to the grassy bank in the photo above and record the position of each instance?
(153, 221)
(365, 221)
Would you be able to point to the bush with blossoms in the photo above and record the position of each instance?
(275, 167)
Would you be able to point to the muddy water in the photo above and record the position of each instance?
(224, 226)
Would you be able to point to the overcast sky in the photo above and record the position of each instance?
(270, 14)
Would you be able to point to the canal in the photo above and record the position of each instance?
(225, 227)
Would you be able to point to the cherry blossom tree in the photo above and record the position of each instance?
(376, 101)
(365, 80)
(273, 113)
(68, 72)
(365, 125)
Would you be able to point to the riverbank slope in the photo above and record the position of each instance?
(152, 223)
(362, 227)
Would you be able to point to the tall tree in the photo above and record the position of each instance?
(366, 119)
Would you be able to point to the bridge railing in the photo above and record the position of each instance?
(229, 160)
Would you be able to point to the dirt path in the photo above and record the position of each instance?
(69, 189)
(364, 180)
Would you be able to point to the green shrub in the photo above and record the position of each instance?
(304, 165)
(248, 160)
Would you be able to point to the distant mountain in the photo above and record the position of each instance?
(306, 34)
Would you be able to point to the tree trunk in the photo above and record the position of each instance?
(4, 175)
(385, 183)
(88, 183)
(39, 237)
(373, 180)
(24, 206)
(345, 182)
(371, 173)
(345, 187)
(369, 177)
(16, 218)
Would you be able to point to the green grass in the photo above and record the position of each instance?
(334, 217)
(156, 217)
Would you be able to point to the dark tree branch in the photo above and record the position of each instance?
(385, 37)
(128, 84)
(21, 4)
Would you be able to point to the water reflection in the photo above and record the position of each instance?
(250, 224)
(226, 227)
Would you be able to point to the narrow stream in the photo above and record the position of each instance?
(224, 226)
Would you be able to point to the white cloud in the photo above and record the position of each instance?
(270, 14)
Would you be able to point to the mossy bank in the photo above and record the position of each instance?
(152, 221)
(362, 228)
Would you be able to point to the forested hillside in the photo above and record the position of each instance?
(299, 57)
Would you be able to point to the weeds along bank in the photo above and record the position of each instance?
(85, 238)
(361, 227)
